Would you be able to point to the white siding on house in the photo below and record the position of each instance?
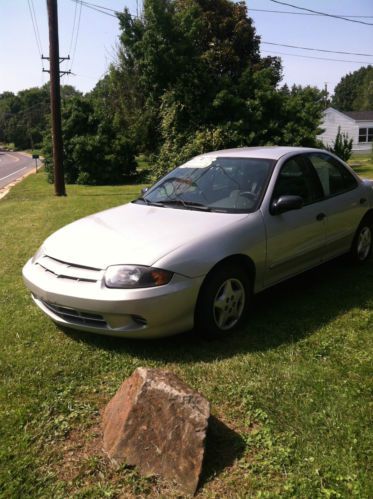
(334, 119)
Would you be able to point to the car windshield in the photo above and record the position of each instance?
(230, 185)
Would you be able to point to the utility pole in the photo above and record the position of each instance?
(326, 95)
(54, 69)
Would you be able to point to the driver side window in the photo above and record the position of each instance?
(297, 178)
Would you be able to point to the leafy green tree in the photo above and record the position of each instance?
(190, 78)
(25, 117)
(93, 152)
(186, 51)
(355, 91)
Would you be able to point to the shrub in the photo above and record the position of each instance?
(342, 146)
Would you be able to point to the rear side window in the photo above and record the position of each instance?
(334, 177)
(297, 178)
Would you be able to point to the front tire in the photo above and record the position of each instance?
(361, 248)
(223, 302)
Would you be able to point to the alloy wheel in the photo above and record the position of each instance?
(229, 304)
(364, 243)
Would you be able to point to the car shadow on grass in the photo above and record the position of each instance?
(283, 314)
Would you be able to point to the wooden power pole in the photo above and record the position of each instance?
(54, 69)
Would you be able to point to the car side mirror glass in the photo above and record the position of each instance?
(144, 190)
(286, 203)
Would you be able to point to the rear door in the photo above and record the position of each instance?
(344, 205)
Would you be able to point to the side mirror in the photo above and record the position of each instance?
(286, 203)
(144, 190)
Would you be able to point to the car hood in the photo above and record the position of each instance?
(133, 234)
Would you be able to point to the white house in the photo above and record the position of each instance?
(357, 124)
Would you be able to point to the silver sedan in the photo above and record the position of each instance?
(191, 251)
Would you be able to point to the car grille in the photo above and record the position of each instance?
(63, 270)
(76, 316)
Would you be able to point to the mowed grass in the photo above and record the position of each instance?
(362, 164)
(291, 393)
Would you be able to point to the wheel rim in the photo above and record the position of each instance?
(229, 304)
(364, 243)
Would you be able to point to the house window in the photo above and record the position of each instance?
(366, 134)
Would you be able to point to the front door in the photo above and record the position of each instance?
(295, 239)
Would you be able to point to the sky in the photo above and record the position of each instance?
(97, 38)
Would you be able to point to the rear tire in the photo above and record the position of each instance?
(361, 248)
(223, 302)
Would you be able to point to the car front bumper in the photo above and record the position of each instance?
(131, 313)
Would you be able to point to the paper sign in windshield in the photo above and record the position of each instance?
(200, 162)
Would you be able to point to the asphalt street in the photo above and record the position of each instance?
(14, 165)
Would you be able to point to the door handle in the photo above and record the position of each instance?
(363, 201)
(320, 217)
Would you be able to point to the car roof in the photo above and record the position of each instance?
(268, 152)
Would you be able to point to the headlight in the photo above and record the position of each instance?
(39, 254)
(133, 276)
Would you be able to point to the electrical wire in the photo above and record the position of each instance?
(77, 34)
(102, 9)
(312, 57)
(322, 13)
(73, 30)
(35, 27)
(303, 13)
(90, 6)
(316, 50)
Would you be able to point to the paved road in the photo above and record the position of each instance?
(13, 165)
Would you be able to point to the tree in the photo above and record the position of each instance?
(94, 153)
(183, 51)
(355, 91)
(25, 117)
(189, 78)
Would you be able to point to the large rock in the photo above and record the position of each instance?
(157, 423)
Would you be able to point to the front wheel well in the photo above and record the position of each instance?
(368, 216)
(213, 315)
(243, 261)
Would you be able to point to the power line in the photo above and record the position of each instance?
(312, 57)
(322, 13)
(102, 9)
(77, 34)
(90, 6)
(73, 30)
(303, 13)
(35, 26)
(316, 50)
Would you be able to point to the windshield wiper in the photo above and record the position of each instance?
(147, 202)
(186, 204)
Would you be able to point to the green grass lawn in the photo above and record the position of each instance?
(362, 164)
(291, 392)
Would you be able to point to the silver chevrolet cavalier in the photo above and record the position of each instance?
(191, 251)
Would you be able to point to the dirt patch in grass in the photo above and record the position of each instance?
(81, 461)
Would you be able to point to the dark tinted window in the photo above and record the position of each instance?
(297, 178)
(334, 177)
(365, 134)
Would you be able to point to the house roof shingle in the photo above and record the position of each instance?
(359, 115)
